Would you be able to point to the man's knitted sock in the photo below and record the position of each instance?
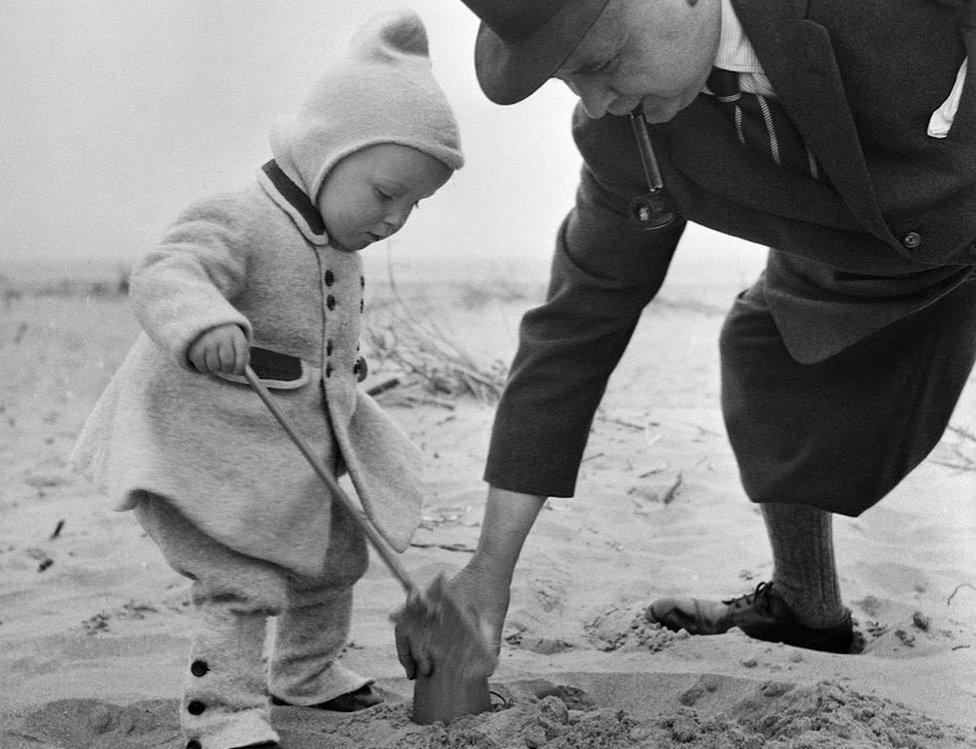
(804, 569)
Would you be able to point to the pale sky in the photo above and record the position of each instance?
(116, 113)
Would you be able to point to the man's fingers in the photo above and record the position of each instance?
(425, 664)
(403, 653)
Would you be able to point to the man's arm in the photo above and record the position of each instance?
(605, 270)
(483, 585)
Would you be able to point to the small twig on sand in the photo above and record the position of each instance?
(956, 590)
(57, 530)
(447, 547)
(651, 472)
(671, 493)
(962, 432)
(967, 465)
(960, 460)
(628, 424)
(429, 400)
(382, 387)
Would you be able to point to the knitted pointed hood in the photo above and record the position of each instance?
(381, 91)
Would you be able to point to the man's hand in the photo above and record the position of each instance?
(482, 587)
(221, 349)
(483, 594)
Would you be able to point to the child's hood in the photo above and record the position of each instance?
(381, 91)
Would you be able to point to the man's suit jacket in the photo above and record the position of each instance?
(890, 229)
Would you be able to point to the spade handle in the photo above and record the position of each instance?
(389, 556)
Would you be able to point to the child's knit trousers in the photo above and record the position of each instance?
(225, 697)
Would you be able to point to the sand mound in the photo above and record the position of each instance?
(714, 712)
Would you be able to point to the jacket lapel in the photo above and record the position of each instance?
(797, 57)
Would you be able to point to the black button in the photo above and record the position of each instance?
(199, 668)
(360, 369)
(911, 240)
(328, 370)
(195, 707)
(193, 744)
(328, 347)
(362, 282)
(361, 305)
(329, 278)
(330, 302)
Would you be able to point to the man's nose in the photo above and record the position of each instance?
(595, 97)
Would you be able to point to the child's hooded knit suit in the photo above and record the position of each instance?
(213, 478)
(260, 258)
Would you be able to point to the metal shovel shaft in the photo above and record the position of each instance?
(379, 543)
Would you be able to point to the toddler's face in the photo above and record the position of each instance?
(369, 194)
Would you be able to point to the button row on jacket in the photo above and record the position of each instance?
(360, 369)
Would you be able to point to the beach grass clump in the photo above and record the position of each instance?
(432, 359)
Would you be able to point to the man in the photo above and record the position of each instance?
(846, 142)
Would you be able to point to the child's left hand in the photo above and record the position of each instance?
(221, 349)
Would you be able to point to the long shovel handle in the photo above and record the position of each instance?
(383, 549)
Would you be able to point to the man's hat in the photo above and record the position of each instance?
(521, 43)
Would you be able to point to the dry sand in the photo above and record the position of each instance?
(93, 624)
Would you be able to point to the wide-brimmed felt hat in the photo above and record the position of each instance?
(521, 43)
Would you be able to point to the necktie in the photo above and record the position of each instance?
(761, 124)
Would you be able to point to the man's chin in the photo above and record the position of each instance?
(657, 111)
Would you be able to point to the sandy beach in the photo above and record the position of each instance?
(94, 625)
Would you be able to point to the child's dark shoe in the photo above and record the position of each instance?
(350, 702)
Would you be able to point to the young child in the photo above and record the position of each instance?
(270, 274)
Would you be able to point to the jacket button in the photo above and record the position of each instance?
(912, 240)
(360, 369)
(329, 278)
(192, 744)
(195, 707)
(328, 347)
(199, 668)
(330, 302)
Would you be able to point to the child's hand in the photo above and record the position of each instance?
(221, 349)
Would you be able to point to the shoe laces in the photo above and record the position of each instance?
(760, 597)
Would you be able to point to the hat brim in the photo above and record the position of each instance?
(508, 72)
